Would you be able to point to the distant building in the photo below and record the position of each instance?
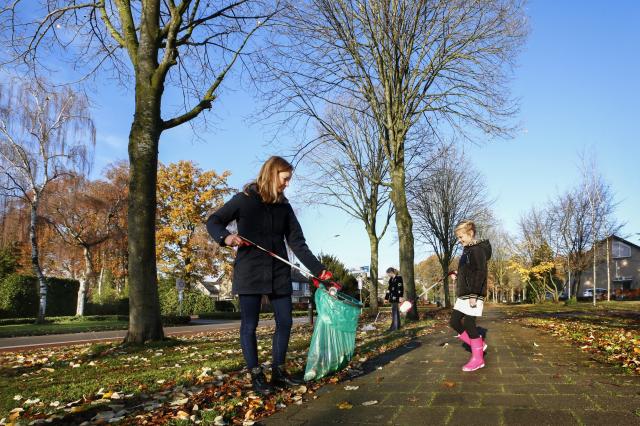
(301, 287)
(624, 268)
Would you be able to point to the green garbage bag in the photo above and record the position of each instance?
(334, 335)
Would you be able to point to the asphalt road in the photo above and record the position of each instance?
(10, 344)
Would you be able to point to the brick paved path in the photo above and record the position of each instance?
(549, 383)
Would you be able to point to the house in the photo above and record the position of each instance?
(623, 268)
(301, 287)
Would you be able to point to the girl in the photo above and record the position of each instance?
(264, 216)
(394, 294)
(472, 286)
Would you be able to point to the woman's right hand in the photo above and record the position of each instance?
(233, 240)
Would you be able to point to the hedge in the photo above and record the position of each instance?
(19, 296)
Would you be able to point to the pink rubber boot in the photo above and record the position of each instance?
(466, 339)
(477, 355)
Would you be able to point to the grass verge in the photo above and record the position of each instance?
(610, 331)
(163, 380)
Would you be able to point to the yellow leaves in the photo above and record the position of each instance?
(344, 405)
(186, 196)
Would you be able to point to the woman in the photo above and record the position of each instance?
(264, 216)
(394, 294)
(472, 287)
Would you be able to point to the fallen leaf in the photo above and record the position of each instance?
(301, 389)
(367, 403)
(351, 388)
(182, 415)
(219, 421)
(449, 384)
(345, 405)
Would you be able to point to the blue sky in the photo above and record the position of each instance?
(579, 88)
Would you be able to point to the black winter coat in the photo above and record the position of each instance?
(472, 269)
(268, 225)
(396, 289)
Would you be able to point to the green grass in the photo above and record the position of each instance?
(49, 374)
(60, 328)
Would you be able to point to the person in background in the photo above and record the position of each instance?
(394, 296)
(471, 290)
(265, 217)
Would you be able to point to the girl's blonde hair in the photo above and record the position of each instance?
(466, 226)
(267, 181)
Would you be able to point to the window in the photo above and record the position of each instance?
(620, 249)
(296, 286)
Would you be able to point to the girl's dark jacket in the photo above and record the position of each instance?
(396, 289)
(268, 225)
(472, 269)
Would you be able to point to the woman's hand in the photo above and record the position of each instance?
(233, 240)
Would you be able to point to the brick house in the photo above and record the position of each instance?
(624, 269)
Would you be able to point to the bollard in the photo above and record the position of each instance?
(310, 311)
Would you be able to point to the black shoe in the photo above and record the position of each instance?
(259, 382)
(281, 379)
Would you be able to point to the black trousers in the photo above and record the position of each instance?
(250, 314)
(461, 323)
(395, 316)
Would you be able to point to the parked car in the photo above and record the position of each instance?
(601, 293)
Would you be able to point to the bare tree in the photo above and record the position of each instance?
(601, 202)
(436, 63)
(349, 171)
(572, 216)
(152, 45)
(501, 252)
(451, 192)
(44, 135)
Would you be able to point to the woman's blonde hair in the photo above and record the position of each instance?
(267, 181)
(466, 226)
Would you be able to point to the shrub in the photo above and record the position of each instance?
(193, 302)
(224, 306)
(62, 296)
(116, 307)
(176, 319)
(19, 296)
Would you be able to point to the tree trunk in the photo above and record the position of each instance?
(373, 273)
(85, 281)
(100, 279)
(446, 261)
(144, 307)
(595, 253)
(35, 261)
(404, 225)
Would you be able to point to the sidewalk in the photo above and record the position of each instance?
(546, 383)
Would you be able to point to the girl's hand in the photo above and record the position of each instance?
(233, 240)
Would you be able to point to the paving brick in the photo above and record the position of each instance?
(423, 416)
(474, 416)
(538, 417)
(459, 399)
(551, 384)
(524, 401)
(599, 418)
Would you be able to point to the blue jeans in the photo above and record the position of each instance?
(250, 315)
